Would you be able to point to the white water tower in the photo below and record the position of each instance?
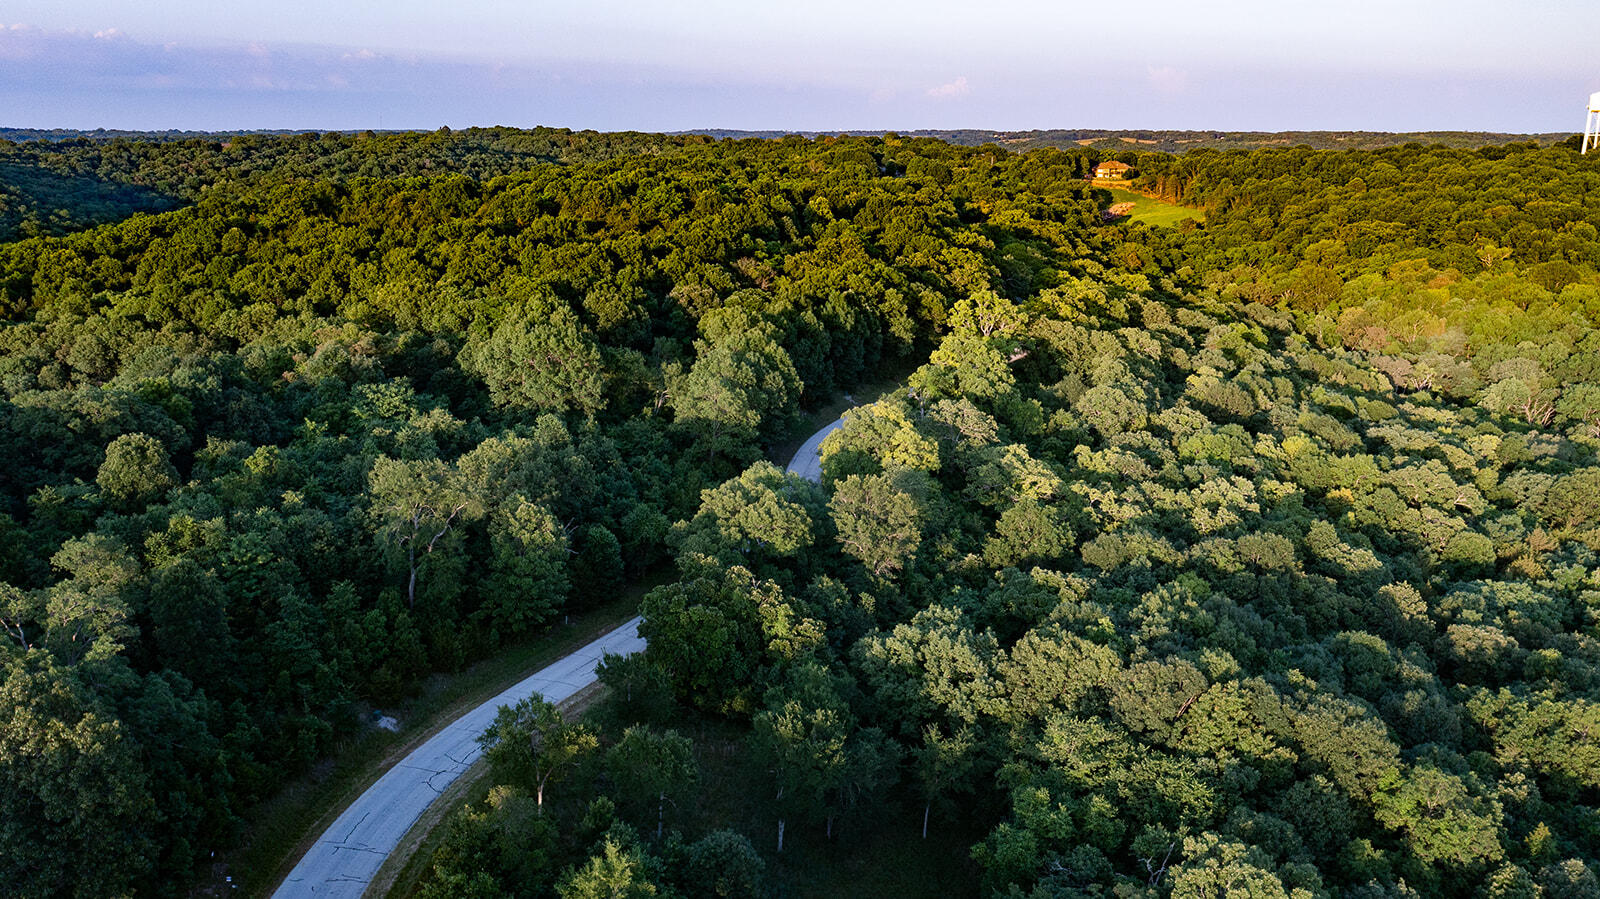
(1591, 125)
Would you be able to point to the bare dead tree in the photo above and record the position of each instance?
(1158, 871)
(1538, 409)
(14, 629)
(419, 514)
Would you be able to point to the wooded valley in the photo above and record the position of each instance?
(1252, 557)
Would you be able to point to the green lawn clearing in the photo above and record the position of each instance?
(1149, 211)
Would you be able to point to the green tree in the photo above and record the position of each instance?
(943, 764)
(76, 814)
(803, 732)
(720, 637)
(878, 523)
(987, 314)
(136, 471)
(820, 759)
(741, 390)
(1443, 823)
(539, 358)
(964, 365)
(875, 437)
(648, 765)
(19, 617)
(527, 580)
(87, 615)
(637, 690)
(723, 864)
(597, 570)
(1214, 867)
(531, 743)
(1028, 533)
(762, 516)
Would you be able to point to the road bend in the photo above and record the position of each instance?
(348, 854)
(807, 463)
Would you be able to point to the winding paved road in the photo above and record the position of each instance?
(807, 463)
(349, 853)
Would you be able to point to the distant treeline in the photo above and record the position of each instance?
(1165, 141)
(18, 135)
(59, 186)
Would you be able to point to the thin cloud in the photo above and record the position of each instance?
(951, 90)
(56, 77)
(1167, 79)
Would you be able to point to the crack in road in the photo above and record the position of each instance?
(353, 828)
(393, 805)
(450, 778)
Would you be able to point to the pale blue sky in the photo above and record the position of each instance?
(819, 65)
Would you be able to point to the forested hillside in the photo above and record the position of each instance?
(1258, 555)
(59, 186)
(256, 444)
(54, 182)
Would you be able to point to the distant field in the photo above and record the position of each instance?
(1151, 212)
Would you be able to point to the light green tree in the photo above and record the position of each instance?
(531, 743)
(616, 873)
(540, 358)
(417, 507)
(136, 471)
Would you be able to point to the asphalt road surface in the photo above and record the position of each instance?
(807, 463)
(347, 856)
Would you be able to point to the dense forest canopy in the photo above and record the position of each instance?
(1256, 556)
(54, 181)
(61, 185)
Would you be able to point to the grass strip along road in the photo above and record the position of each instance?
(349, 853)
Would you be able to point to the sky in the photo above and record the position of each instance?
(808, 65)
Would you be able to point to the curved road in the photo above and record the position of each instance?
(348, 854)
(807, 463)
